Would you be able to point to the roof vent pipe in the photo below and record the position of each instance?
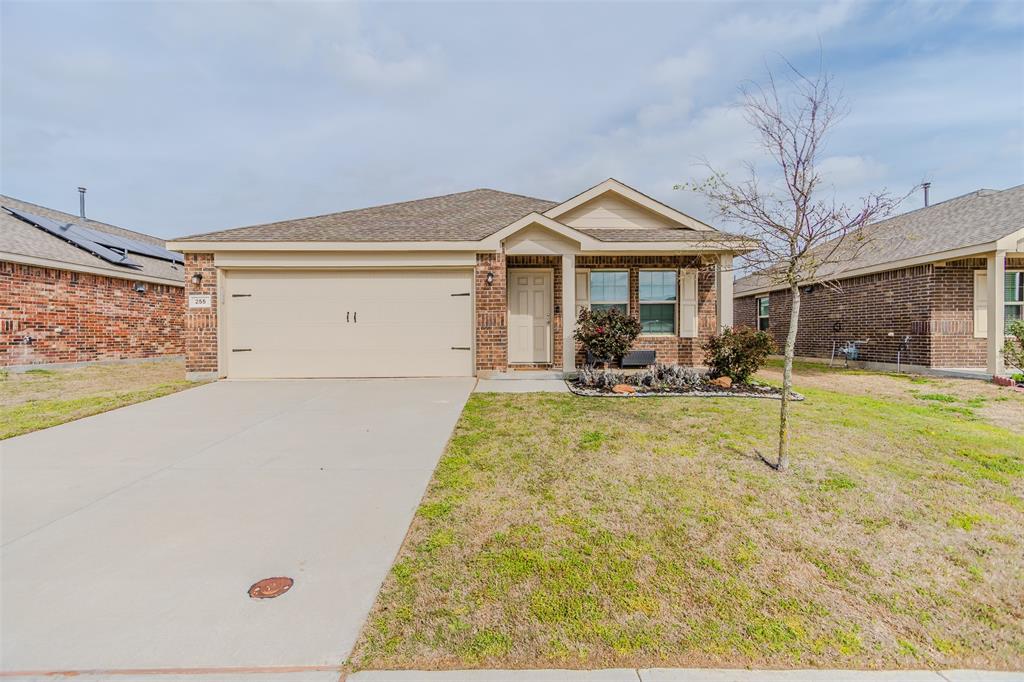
(81, 202)
(926, 186)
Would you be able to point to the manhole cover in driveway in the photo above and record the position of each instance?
(268, 588)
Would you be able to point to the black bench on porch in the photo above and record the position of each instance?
(635, 358)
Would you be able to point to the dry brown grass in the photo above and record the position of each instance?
(40, 398)
(561, 531)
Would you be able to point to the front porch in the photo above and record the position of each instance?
(526, 307)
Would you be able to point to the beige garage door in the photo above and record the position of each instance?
(356, 323)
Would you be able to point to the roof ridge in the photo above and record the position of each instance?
(362, 208)
(76, 219)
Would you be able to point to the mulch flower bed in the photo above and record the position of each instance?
(704, 390)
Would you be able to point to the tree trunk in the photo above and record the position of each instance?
(787, 379)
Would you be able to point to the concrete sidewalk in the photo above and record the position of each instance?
(685, 675)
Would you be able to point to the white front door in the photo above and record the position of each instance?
(529, 316)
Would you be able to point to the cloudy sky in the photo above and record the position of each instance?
(188, 117)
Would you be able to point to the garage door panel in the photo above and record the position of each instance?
(399, 323)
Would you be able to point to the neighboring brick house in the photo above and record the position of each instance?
(930, 286)
(473, 283)
(74, 290)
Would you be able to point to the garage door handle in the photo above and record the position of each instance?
(346, 317)
(241, 295)
(241, 350)
(460, 348)
(465, 294)
(355, 317)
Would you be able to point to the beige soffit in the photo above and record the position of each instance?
(613, 185)
(712, 246)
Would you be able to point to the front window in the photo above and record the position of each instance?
(1014, 296)
(609, 289)
(762, 314)
(658, 301)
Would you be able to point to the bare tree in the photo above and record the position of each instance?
(805, 234)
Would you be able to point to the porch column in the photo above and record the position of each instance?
(723, 291)
(995, 281)
(568, 312)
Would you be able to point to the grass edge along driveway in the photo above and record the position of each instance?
(561, 531)
(41, 398)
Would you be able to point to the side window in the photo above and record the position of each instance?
(762, 313)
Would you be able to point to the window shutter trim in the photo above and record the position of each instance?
(582, 291)
(688, 304)
(980, 304)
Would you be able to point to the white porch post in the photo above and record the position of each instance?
(568, 311)
(723, 282)
(995, 276)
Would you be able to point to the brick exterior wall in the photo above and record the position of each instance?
(51, 316)
(670, 349)
(201, 323)
(491, 315)
(932, 304)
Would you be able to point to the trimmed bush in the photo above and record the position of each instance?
(737, 353)
(607, 334)
(1013, 348)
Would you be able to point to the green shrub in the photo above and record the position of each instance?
(607, 334)
(737, 353)
(1013, 348)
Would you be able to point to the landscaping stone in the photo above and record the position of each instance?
(623, 388)
(724, 382)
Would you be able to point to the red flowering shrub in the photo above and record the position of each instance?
(607, 334)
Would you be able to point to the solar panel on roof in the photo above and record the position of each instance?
(73, 234)
(131, 245)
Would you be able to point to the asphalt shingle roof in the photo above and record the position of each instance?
(18, 237)
(465, 216)
(977, 218)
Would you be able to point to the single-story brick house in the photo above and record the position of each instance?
(75, 290)
(456, 285)
(938, 285)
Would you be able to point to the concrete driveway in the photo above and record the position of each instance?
(130, 538)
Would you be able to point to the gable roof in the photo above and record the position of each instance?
(976, 219)
(472, 216)
(463, 216)
(25, 243)
(624, 190)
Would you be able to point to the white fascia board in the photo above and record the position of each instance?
(953, 254)
(214, 246)
(623, 190)
(1011, 242)
(133, 276)
(679, 247)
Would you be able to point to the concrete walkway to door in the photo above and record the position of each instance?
(130, 538)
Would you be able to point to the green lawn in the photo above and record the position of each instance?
(41, 398)
(561, 531)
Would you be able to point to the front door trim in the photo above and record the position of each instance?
(550, 274)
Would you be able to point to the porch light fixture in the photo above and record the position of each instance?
(139, 287)
(490, 278)
(197, 278)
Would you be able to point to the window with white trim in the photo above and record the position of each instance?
(609, 289)
(1013, 296)
(762, 313)
(658, 293)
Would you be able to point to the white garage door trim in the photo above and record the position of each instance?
(347, 323)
